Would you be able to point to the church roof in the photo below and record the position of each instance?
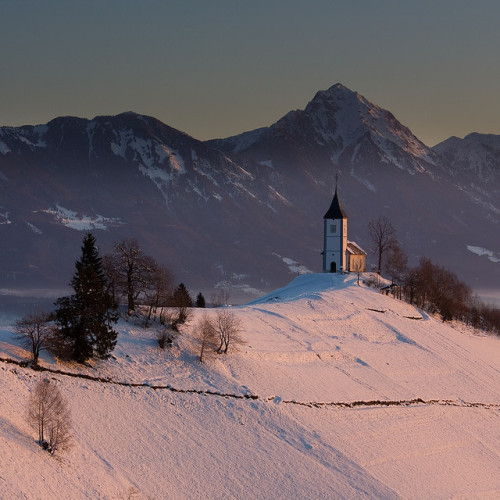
(335, 211)
(354, 249)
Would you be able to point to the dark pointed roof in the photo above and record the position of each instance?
(335, 211)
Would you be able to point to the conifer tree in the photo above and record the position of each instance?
(85, 318)
(200, 300)
(181, 297)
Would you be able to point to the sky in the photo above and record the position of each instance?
(215, 68)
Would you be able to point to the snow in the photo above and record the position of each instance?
(80, 222)
(4, 149)
(293, 266)
(34, 228)
(278, 196)
(483, 251)
(342, 118)
(312, 346)
(4, 218)
(245, 140)
(267, 163)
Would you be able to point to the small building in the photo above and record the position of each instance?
(356, 258)
(339, 254)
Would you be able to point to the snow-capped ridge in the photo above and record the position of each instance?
(346, 124)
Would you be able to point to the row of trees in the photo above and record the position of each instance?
(81, 327)
(427, 285)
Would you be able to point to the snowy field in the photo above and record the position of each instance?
(280, 427)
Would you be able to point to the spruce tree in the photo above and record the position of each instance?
(181, 297)
(200, 300)
(85, 318)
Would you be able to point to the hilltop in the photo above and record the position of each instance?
(339, 392)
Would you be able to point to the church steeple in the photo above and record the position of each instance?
(335, 211)
(335, 236)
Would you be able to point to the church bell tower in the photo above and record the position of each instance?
(335, 237)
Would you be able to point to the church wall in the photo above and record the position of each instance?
(335, 244)
(355, 260)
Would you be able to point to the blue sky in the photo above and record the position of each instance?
(215, 68)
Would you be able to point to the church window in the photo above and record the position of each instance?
(333, 228)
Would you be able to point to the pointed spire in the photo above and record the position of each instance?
(335, 211)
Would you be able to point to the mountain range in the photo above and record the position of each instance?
(246, 211)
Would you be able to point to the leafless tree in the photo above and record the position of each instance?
(381, 232)
(358, 268)
(35, 331)
(228, 330)
(206, 337)
(396, 261)
(159, 289)
(221, 296)
(49, 415)
(130, 270)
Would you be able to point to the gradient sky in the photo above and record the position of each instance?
(214, 68)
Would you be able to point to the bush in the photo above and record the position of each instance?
(165, 336)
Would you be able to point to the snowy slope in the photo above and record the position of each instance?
(312, 347)
(477, 153)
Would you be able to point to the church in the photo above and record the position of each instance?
(339, 254)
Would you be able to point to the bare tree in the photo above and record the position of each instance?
(130, 269)
(35, 331)
(228, 329)
(381, 232)
(206, 337)
(358, 268)
(175, 316)
(49, 415)
(220, 297)
(396, 261)
(159, 289)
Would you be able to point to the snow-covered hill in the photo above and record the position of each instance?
(272, 421)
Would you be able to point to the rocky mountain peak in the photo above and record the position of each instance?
(342, 126)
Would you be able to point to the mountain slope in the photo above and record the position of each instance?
(338, 125)
(384, 170)
(478, 154)
(322, 339)
(243, 212)
(129, 176)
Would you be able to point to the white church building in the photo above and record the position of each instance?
(339, 254)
